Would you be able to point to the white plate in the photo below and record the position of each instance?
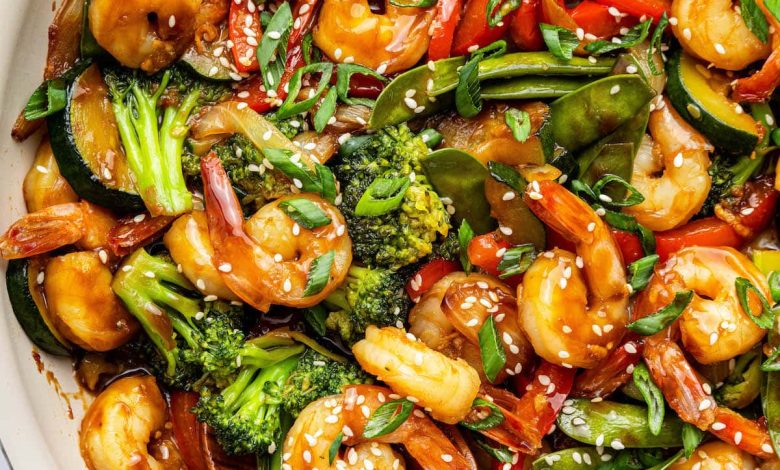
(35, 429)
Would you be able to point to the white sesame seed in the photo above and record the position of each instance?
(566, 329)
(617, 445)
(706, 403)
(535, 196)
(766, 448)
(507, 338)
(210, 298)
(614, 90)
(718, 426)
(171, 21)
(630, 348)
(274, 34)
(563, 282)
(296, 229)
(597, 329)
(382, 68)
(563, 354)
(687, 33)
(737, 437)
(591, 226)
(544, 380)
(678, 160)
(225, 267)
(719, 48)
(632, 69)
(447, 458)
(505, 230)
(287, 286)
(714, 337)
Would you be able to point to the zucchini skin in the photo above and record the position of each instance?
(720, 134)
(26, 311)
(73, 167)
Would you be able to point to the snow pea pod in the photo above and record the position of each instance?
(611, 424)
(594, 111)
(770, 396)
(520, 64)
(525, 88)
(572, 459)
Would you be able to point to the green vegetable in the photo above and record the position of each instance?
(367, 297)
(632, 38)
(465, 234)
(691, 437)
(468, 100)
(498, 9)
(640, 272)
(754, 19)
(664, 317)
(770, 398)
(519, 122)
(46, 100)
(333, 451)
(291, 107)
(493, 419)
(614, 182)
(318, 180)
(766, 317)
(592, 112)
(497, 451)
(431, 137)
(629, 224)
(573, 458)
(561, 42)
(743, 385)
(528, 88)
(652, 396)
(609, 422)
(457, 175)
(272, 49)
(382, 196)
(387, 418)
(516, 260)
(326, 110)
(307, 214)
(773, 6)
(319, 274)
(202, 61)
(655, 45)
(491, 349)
(343, 77)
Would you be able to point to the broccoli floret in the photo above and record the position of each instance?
(318, 376)
(448, 249)
(369, 296)
(254, 183)
(153, 139)
(408, 233)
(728, 174)
(290, 127)
(191, 338)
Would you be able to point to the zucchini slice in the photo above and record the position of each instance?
(29, 306)
(695, 93)
(86, 145)
(207, 64)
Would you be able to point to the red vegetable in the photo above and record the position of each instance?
(709, 231)
(473, 30)
(524, 28)
(484, 251)
(428, 275)
(595, 18)
(242, 20)
(129, 234)
(443, 30)
(629, 244)
(186, 429)
(638, 8)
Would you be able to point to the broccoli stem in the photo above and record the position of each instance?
(154, 152)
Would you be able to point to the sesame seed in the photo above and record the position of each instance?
(591, 226)
(431, 66)
(349, 59)
(580, 34)
(766, 448)
(578, 262)
(296, 229)
(614, 90)
(706, 403)
(632, 69)
(446, 457)
(225, 267)
(171, 21)
(707, 389)
(714, 337)
(332, 419)
(737, 437)
(307, 456)
(746, 211)
(149, 274)
(382, 68)
(605, 198)
(274, 34)
(42, 169)
(544, 380)
(687, 33)
(592, 59)
(505, 230)
(566, 329)
(719, 48)
(563, 282)
(465, 305)
(287, 286)
(337, 53)
(630, 348)
(40, 278)
(617, 445)
(210, 298)
(718, 426)
(613, 11)
(535, 196)
(597, 330)
(600, 440)
(678, 160)
(563, 354)
(500, 252)
(473, 48)
(507, 338)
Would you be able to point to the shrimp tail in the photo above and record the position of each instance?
(43, 231)
(561, 210)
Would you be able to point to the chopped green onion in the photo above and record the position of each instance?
(412, 4)
(468, 99)
(767, 317)
(492, 352)
(498, 9)
(754, 19)
(465, 234)
(632, 38)
(493, 419)
(382, 196)
(560, 41)
(516, 260)
(319, 274)
(334, 448)
(691, 437)
(632, 198)
(326, 110)
(497, 451)
(387, 418)
(519, 122)
(281, 159)
(327, 182)
(431, 137)
(46, 100)
(306, 213)
(507, 175)
(641, 270)
(628, 223)
(290, 107)
(272, 51)
(774, 285)
(653, 397)
(655, 43)
(771, 364)
(664, 317)
(344, 75)
(315, 317)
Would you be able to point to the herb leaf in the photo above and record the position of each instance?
(767, 317)
(519, 122)
(691, 437)
(664, 317)
(306, 213)
(321, 180)
(387, 418)
(465, 234)
(492, 420)
(641, 270)
(516, 260)
(491, 350)
(560, 41)
(319, 274)
(754, 19)
(382, 196)
(334, 448)
(655, 43)
(653, 397)
(632, 38)
(50, 97)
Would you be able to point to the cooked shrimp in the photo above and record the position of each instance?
(713, 327)
(348, 31)
(307, 445)
(716, 456)
(98, 222)
(119, 424)
(714, 31)
(573, 318)
(145, 34)
(268, 259)
(430, 447)
(44, 185)
(190, 246)
(671, 173)
(445, 386)
(82, 305)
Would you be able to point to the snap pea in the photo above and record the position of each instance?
(743, 385)
(595, 110)
(526, 88)
(457, 175)
(770, 394)
(609, 423)
(572, 459)
(435, 80)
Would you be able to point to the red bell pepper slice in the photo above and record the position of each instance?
(130, 234)
(760, 86)
(244, 30)
(629, 244)
(524, 28)
(443, 30)
(186, 429)
(485, 252)
(595, 18)
(474, 30)
(709, 231)
(429, 275)
(649, 8)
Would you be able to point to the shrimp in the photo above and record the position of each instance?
(190, 246)
(268, 259)
(145, 34)
(348, 31)
(714, 31)
(44, 185)
(119, 424)
(308, 442)
(760, 86)
(713, 327)
(573, 318)
(681, 156)
(716, 456)
(82, 305)
(445, 386)
(81, 223)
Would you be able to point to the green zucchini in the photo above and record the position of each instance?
(206, 64)
(29, 306)
(87, 148)
(690, 89)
